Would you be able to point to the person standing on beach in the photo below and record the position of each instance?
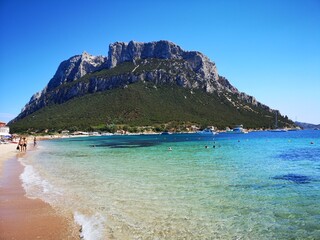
(34, 141)
(25, 144)
(20, 144)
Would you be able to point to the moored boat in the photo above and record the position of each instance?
(238, 129)
(207, 131)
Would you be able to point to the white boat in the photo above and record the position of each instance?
(207, 131)
(237, 129)
(278, 130)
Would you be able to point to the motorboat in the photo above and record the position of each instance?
(207, 131)
(238, 129)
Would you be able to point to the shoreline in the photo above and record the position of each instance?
(22, 217)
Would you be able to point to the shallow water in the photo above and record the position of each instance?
(260, 185)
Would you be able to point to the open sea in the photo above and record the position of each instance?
(261, 185)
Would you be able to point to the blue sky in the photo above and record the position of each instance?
(268, 49)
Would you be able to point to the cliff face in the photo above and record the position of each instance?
(68, 71)
(120, 52)
(158, 62)
(75, 68)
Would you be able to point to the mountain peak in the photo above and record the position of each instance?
(121, 52)
(75, 68)
(84, 53)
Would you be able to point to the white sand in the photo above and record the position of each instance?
(7, 151)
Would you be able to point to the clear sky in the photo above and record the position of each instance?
(267, 48)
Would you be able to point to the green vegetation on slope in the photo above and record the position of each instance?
(144, 104)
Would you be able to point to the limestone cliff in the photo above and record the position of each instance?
(205, 69)
(75, 68)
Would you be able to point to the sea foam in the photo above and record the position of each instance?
(91, 226)
(37, 187)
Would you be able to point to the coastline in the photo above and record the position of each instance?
(22, 217)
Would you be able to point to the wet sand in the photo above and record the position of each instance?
(25, 218)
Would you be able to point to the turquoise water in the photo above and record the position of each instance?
(260, 185)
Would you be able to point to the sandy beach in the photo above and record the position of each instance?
(7, 151)
(24, 218)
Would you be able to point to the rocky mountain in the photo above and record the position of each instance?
(68, 71)
(160, 62)
(304, 125)
(75, 68)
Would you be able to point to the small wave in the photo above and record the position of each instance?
(91, 226)
(35, 186)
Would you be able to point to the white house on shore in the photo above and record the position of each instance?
(4, 130)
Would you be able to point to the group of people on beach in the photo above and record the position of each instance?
(23, 143)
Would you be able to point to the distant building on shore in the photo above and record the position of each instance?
(4, 130)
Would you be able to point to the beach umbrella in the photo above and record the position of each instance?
(5, 135)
